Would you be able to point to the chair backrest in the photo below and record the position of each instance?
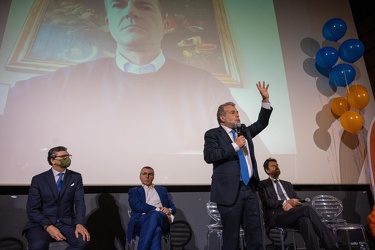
(180, 233)
(10, 243)
(213, 212)
(328, 207)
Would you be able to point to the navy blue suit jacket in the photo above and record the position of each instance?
(138, 205)
(45, 205)
(271, 205)
(219, 151)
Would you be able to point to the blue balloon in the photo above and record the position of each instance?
(334, 29)
(342, 75)
(351, 50)
(326, 57)
(323, 71)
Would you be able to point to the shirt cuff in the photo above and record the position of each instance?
(172, 217)
(266, 105)
(235, 146)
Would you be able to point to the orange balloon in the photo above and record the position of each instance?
(358, 96)
(373, 232)
(370, 219)
(351, 121)
(339, 106)
(372, 225)
(372, 213)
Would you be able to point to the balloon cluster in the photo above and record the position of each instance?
(342, 74)
(371, 221)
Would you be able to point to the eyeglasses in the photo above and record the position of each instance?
(63, 156)
(147, 174)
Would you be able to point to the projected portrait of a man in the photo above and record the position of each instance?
(138, 105)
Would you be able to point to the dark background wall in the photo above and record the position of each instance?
(364, 17)
(107, 216)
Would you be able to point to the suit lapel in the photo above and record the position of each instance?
(142, 194)
(224, 135)
(161, 196)
(65, 182)
(271, 188)
(50, 180)
(286, 188)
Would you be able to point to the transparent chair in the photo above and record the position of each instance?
(330, 208)
(217, 227)
(166, 240)
(278, 236)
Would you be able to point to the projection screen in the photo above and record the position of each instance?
(60, 84)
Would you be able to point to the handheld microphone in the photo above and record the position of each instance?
(305, 200)
(239, 129)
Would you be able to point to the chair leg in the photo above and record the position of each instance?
(281, 232)
(208, 240)
(132, 245)
(220, 236)
(365, 242)
(242, 242)
(366, 246)
(294, 241)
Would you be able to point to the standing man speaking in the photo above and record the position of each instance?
(235, 175)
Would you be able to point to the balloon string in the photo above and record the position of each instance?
(346, 79)
(360, 151)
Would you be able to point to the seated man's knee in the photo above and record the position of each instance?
(37, 239)
(304, 222)
(158, 232)
(155, 216)
(38, 244)
(77, 243)
(309, 210)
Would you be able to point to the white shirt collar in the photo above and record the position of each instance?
(127, 66)
(56, 172)
(228, 130)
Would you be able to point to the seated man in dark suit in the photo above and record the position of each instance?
(152, 211)
(56, 206)
(282, 208)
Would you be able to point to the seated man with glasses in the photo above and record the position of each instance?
(56, 206)
(152, 211)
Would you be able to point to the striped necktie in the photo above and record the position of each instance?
(280, 191)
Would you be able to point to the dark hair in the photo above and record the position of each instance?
(52, 153)
(162, 8)
(221, 111)
(146, 167)
(266, 162)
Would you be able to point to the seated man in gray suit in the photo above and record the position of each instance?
(282, 208)
(152, 211)
(56, 206)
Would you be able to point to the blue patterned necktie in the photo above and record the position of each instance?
(59, 182)
(244, 170)
(280, 191)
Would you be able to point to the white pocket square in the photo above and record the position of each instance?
(72, 185)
